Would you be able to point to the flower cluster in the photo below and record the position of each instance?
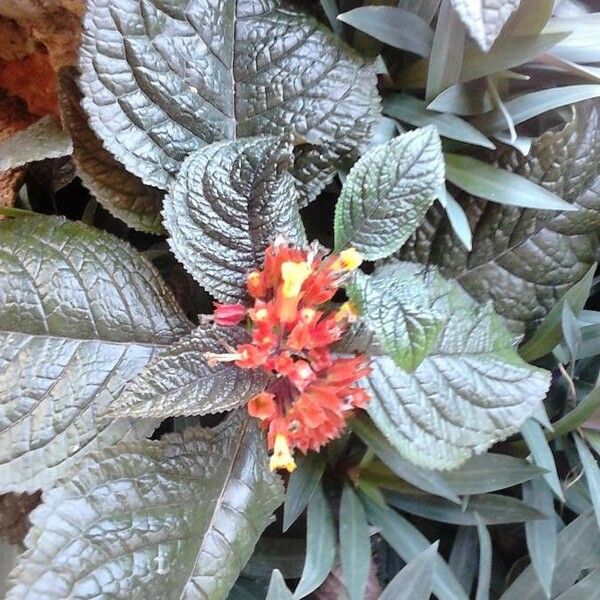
(293, 327)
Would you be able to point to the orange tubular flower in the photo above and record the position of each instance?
(310, 390)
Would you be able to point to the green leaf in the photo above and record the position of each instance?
(355, 544)
(571, 332)
(320, 545)
(524, 260)
(466, 99)
(409, 542)
(484, 19)
(177, 518)
(388, 192)
(447, 51)
(485, 561)
(278, 590)
(491, 183)
(493, 509)
(414, 111)
(541, 535)
(392, 25)
(81, 314)
(490, 472)
(584, 410)
(423, 479)
(414, 581)
(583, 589)
(471, 391)
(193, 72)
(302, 485)
(43, 139)
(400, 311)
(121, 193)
(458, 221)
(577, 542)
(592, 474)
(286, 554)
(535, 103)
(549, 332)
(180, 382)
(463, 557)
(228, 203)
(581, 45)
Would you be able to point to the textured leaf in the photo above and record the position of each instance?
(524, 260)
(43, 139)
(414, 581)
(161, 80)
(80, 314)
(388, 192)
(179, 382)
(471, 391)
(172, 519)
(400, 312)
(14, 515)
(485, 18)
(122, 194)
(228, 203)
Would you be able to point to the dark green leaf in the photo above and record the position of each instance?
(392, 25)
(484, 19)
(228, 203)
(541, 535)
(493, 509)
(278, 590)
(122, 194)
(571, 331)
(388, 192)
(81, 314)
(541, 454)
(466, 99)
(471, 391)
(355, 544)
(525, 260)
(415, 580)
(180, 382)
(414, 111)
(302, 485)
(549, 332)
(592, 474)
(463, 557)
(485, 560)
(491, 183)
(400, 311)
(177, 518)
(286, 554)
(44, 139)
(320, 545)
(490, 472)
(424, 479)
(577, 543)
(193, 72)
(577, 417)
(409, 542)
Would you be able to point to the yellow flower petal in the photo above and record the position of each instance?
(294, 274)
(282, 458)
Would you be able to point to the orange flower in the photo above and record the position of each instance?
(310, 391)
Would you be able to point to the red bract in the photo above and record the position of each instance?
(293, 327)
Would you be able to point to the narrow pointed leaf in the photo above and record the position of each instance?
(121, 193)
(484, 576)
(491, 183)
(180, 382)
(177, 518)
(592, 473)
(320, 545)
(388, 192)
(541, 535)
(278, 590)
(355, 544)
(221, 215)
(583, 589)
(302, 484)
(392, 25)
(409, 542)
(458, 221)
(192, 72)
(414, 111)
(81, 314)
(463, 557)
(414, 581)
